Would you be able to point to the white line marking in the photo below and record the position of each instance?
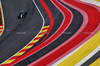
(37, 34)
(92, 2)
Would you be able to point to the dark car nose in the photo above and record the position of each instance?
(22, 15)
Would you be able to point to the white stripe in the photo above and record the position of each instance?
(92, 2)
(98, 4)
(37, 34)
(88, 57)
(61, 60)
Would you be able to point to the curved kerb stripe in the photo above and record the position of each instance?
(40, 35)
(1, 26)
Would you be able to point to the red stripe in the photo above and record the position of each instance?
(14, 57)
(43, 33)
(45, 28)
(31, 44)
(5, 65)
(37, 38)
(24, 50)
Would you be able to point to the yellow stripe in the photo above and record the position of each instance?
(86, 49)
(43, 31)
(96, 63)
(19, 54)
(34, 41)
(27, 47)
(96, 0)
(46, 26)
(1, 26)
(1, 29)
(9, 61)
(40, 35)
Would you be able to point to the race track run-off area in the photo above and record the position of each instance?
(49, 32)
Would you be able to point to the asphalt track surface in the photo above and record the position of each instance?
(53, 40)
(89, 23)
(14, 27)
(74, 26)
